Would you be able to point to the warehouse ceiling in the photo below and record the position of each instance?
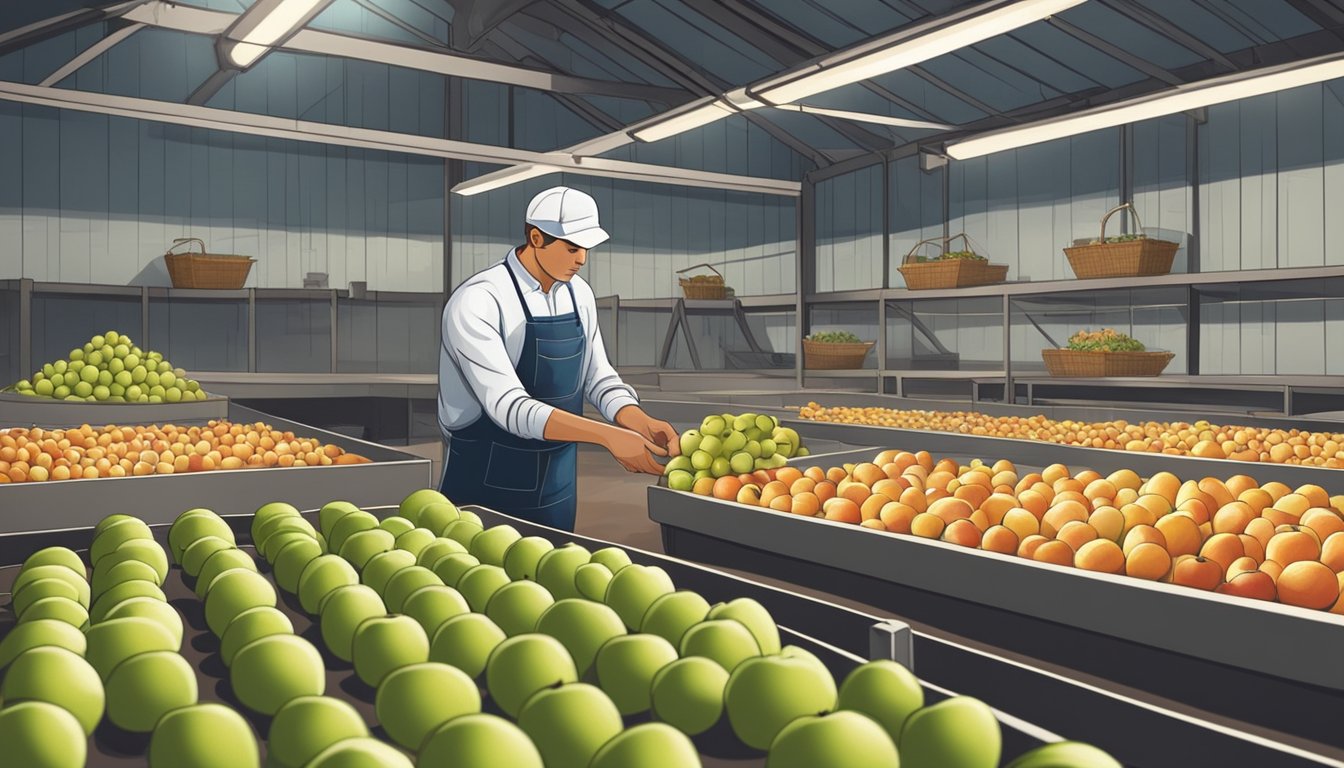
(617, 63)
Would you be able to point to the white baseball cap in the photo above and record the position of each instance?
(568, 214)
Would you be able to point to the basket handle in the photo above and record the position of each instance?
(1138, 223)
(916, 247)
(188, 241)
(966, 241)
(698, 266)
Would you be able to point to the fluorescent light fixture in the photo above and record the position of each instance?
(909, 47)
(266, 24)
(504, 177)
(667, 125)
(864, 117)
(1179, 99)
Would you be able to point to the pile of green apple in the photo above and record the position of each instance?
(732, 445)
(111, 368)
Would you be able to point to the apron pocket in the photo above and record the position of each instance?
(512, 469)
(559, 373)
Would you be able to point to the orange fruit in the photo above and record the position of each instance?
(1000, 539)
(1101, 555)
(1181, 533)
(927, 525)
(1148, 560)
(897, 516)
(962, 532)
(842, 510)
(1308, 584)
(1030, 544)
(806, 503)
(1076, 533)
(1056, 552)
(1292, 545)
(1021, 522)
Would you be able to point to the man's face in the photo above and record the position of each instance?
(561, 260)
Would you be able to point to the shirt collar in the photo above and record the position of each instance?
(526, 281)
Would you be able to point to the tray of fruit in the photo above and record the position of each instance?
(436, 636)
(834, 350)
(949, 269)
(1129, 255)
(727, 444)
(1093, 354)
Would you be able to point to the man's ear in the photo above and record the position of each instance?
(534, 238)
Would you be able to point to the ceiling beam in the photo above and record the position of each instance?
(89, 54)
(387, 141)
(1114, 51)
(46, 29)
(1163, 26)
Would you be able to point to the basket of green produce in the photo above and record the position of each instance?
(1093, 354)
(1129, 255)
(836, 350)
(949, 269)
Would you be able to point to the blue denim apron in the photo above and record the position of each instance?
(532, 479)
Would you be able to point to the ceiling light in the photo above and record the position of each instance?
(503, 178)
(667, 125)
(1179, 99)
(909, 47)
(266, 24)
(864, 117)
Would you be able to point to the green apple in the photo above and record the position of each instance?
(672, 614)
(359, 548)
(438, 548)
(767, 693)
(360, 752)
(109, 521)
(203, 736)
(479, 584)
(112, 641)
(713, 425)
(493, 543)
(252, 624)
(841, 739)
(137, 550)
(115, 535)
(306, 725)
(721, 467)
(126, 590)
(679, 464)
(626, 667)
(648, 745)
(40, 633)
(437, 515)
(396, 525)
(433, 605)
(406, 582)
(30, 576)
(41, 735)
(380, 568)
(614, 558)
(471, 517)
(712, 444)
(690, 442)
(219, 563)
(688, 694)
(680, 480)
(884, 691)
(570, 723)
(702, 460)
(452, 567)
(283, 538)
(353, 522)
(415, 700)
(555, 570)
(152, 609)
(280, 524)
(57, 609)
(105, 579)
(269, 671)
(267, 513)
(411, 506)
(960, 732)
(322, 575)
(146, 687)
(582, 626)
(592, 580)
(56, 676)
(343, 612)
(291, 559)
(45, 589)
(523, 665)
(634, 589)
(466, 642)
(463, 531)
(480, 741)
(384, 644)
(56, 556)
(517, 605)
(234, 592)
(197, 552)
(755, 618)
(415, 540)
(1065, 754)
(331, 512)
(734, 442)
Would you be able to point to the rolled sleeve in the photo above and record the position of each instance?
(474, 340)
(604, 388)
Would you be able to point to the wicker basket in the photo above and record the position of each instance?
(206, 270)
(1144, 257)
(821, 356)
(949, 273)
(1087, 364)
(705, 289)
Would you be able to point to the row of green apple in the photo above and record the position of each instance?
(732, 445)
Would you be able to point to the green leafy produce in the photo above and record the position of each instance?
(1123, 238)
(1105, 340)
(835, 337)
(110, 368)
(951, 256)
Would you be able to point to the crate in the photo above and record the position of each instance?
(949, 273)
(215, 271)
(1144, 257)
(1075, 363)
(821, 356)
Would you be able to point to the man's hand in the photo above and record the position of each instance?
(656, 431)
(634, 452)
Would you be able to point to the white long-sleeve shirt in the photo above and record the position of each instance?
(483, 331)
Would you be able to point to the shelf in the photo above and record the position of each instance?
(242, 385)
(771, 301)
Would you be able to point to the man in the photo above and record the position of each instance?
(521, 351)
